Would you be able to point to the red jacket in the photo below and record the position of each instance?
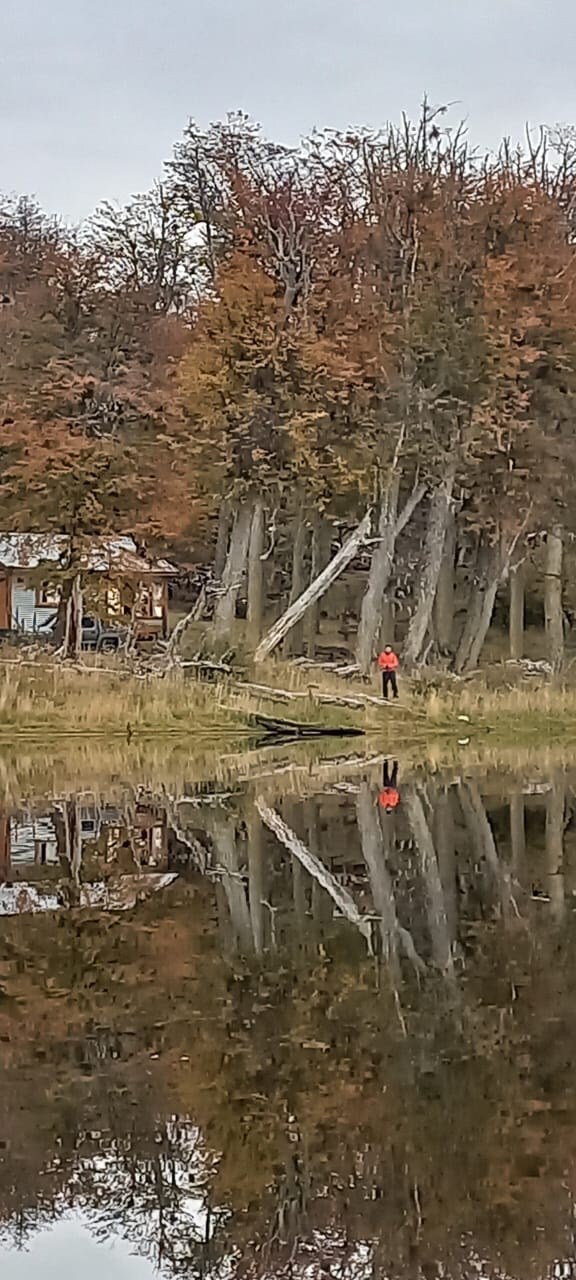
(388, 661)
(389, 798)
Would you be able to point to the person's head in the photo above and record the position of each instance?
(388, 648)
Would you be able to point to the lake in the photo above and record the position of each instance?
(288, 1015)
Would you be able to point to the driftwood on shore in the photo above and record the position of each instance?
(298, 729)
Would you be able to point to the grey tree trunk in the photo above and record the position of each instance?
(438, 519)
(222, 537)
(378, 579)
(255, 612)
(321, 550)
(387, 623)
(234, 570)
(436, 910)
(444, 598)
(483, 842)
(516, 622)
(553, 598)
(480, 609)
(445, 845)
(517, 832)
(256, 891)
(232, 882)
(293, 640)
(374, 855)
(555, 805)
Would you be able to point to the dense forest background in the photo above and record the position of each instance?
(275, 348)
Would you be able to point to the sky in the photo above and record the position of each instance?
(93, 93)
(68, 1251)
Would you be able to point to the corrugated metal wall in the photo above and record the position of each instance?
(26, 616)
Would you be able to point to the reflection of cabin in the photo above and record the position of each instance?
(33, 844)
(133, 587)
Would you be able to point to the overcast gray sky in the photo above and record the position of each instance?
(93, 93)
(68, 1252)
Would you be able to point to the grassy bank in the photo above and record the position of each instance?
(40, 701)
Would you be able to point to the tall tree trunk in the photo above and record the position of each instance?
(321, 550)
(378, 578)
(373, 852)
(222, 537)
(255, 612)
(387, 623)
(483, 842)
(232, 883)
(516, 621)
(316, 589)
(256, 880)
(553, 598)
(438, 519)
(293, 641)
(436, 910)
(234, 570)
(555, 805)
(517, 832)
(444, 598)
(445, 845)
(480, 609)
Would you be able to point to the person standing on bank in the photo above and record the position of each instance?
(388, 663)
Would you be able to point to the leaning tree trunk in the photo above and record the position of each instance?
(480, 609)
(316, 589)
(444, 599)
(516, 621)
(553, 598)
(256, 574)
(234, 570)
(321, 548)
(438, 520)
(378, 578)
(293, 641)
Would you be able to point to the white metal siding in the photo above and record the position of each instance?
(25, 614)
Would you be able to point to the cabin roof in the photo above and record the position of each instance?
(105, 555)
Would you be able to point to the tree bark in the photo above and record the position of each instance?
(316, 589)
(222, 537)
(293, 641)
(387, 623)
(444, 598)
(555, 806)
(321, 549)
(445, 845)
(517, 832)
(378, 578)
(438, 519)
(483, 842)
(553, 598)
(255, 613)
(256, 880)
(480, 609)
(516, 621)
(232, 882)
(234, 570)
(436, 910)
(373, 852)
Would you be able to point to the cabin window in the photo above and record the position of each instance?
(157, 599)
(48, 596)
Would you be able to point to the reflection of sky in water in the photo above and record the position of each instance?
(68, 1251)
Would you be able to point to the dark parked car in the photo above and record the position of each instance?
(99, 636)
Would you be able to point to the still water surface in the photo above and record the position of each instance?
(286, 1027)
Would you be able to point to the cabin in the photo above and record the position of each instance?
(133, 588)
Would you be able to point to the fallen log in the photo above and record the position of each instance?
(358, 701)
(297, 729)
(316, 589)
(315, 867)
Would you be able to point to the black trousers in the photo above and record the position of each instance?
(390, 779)
(389, 681)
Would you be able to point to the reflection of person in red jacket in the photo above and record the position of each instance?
(388, 663)
(389, 797)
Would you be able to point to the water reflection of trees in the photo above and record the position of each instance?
(243, 1080)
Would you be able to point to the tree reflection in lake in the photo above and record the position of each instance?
(340, 1043)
